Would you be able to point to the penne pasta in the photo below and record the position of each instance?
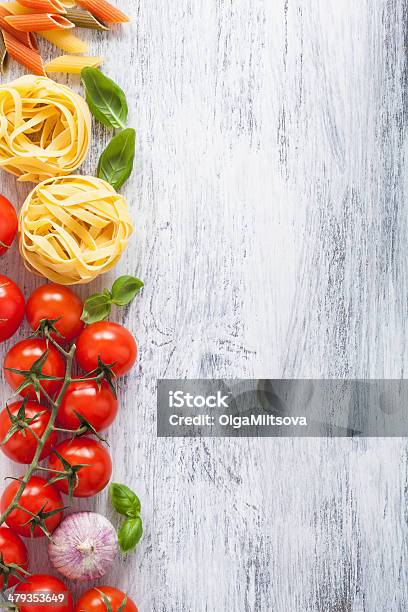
(65, 40)
(26, 38)
(3, 53)
(23, 55)
(72, 64)
(103, 10)
(84, 19)
(44, 6)
(53, 20)
(38, 22)
(14, 8)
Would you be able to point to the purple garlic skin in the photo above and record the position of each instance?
(84, 546)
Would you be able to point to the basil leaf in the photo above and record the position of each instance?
(116, 162)
(130, 533)
(124, 289)
(124, 500)
(97, 307)
(105, 98)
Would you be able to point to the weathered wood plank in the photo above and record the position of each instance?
(269, 202)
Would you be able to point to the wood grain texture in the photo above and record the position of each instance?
(269, 202)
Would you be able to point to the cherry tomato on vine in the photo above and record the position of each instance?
(46, 588)
(22, 445)
(12, 307)
(56, 302)
(87, 452)
(23, 355)
(38, 496)
(93, 601)
(8, 224)
(96, 403)
(113, 343)
(12, 550)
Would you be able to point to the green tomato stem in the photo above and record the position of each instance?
(74, 432)
(57, 346)
(55, 404)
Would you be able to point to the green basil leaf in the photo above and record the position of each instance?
(130, 533)
(124, 289)
(97, 307)
(105, 98)
(116, 162)
(124, 500)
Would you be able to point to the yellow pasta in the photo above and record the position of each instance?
(65, 40)
(44, 128)
(72, 64)
(73, 228)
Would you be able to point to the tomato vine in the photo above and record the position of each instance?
(35, 376)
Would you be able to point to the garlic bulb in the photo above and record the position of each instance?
(84, 546)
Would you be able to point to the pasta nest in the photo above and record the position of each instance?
(73, 228)
(44, 128)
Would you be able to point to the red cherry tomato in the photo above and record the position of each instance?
(92, 600)
(22, 445)
(49, 590)
(88, 452)
(56, 302)
(11, 307)
(97, 404)
(12, 550)
(8, 224)
(38, 495)
(111, 342)
(23, 355)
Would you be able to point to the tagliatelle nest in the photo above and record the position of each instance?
(44, 128)
(73, 228)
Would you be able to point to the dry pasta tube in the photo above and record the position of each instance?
(73, 228)
(38, 22)
(72, 64)
(104, 10)
(44, 6)
(65, 40)
(44, 128)
(24, 55)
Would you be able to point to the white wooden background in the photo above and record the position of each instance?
(271, 231)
